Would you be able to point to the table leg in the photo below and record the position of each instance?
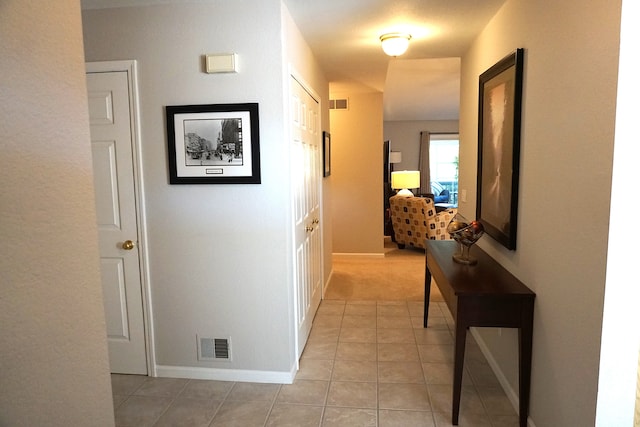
(458, 365)
(525, 348)
(427, 293)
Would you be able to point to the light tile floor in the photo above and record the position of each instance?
(366, 363)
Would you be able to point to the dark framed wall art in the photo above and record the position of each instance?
(499, 123)
(326, 154)
(213, 144)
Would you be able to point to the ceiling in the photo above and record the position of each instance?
(422, 84)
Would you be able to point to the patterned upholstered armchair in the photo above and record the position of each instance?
(415, 219)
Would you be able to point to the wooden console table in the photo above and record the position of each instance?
(486, 295)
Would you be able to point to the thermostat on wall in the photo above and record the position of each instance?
(222, 63)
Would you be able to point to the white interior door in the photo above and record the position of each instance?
(306, 169)
(111, 117)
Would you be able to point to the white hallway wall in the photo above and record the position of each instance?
(220, 255)
(619, 364)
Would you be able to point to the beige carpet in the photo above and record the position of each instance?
(399, 275)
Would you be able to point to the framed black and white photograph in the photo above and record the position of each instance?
(326, 157)
(499, 123)
(213, 144)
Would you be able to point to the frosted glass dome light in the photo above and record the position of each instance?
(395, 44)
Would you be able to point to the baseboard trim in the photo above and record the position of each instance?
(239, 375)
(326, 283)
(502, 379)
(359, 255)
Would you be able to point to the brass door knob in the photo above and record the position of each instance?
(127, 245)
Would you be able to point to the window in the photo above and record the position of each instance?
(443, 165)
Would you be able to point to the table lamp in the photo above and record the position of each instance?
(403, 180)
(395, 157)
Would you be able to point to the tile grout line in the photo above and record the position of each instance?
(273, 403)
(173, 399)
(380, 312)
(333, 365)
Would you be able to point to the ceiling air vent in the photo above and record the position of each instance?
(338, 104)
(213, 349)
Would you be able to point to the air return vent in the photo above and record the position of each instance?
(213, 349)
(338, 104)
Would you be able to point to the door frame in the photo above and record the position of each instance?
(130, 67)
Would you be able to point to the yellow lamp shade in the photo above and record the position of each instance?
(403, 180)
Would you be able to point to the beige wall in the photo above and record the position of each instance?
(565, 181)
(53, 356)
(356, 175)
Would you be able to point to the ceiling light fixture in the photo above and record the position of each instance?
(395, 44)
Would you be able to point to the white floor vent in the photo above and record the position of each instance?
(214, 349)
(338, 104)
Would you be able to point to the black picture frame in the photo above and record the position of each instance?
(499, 127)
(326, 153)
(213, 144)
